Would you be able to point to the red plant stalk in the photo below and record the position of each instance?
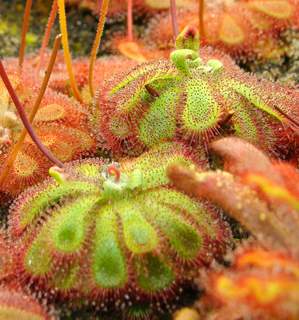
(15, 150)
(25, 119)
(25, 27)
(130, 20)
(93, 55)
(174, 20)
(51, 20)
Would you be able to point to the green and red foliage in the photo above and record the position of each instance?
(15, 305)
(254, 190)
(29, 167)
(120, 234)
(104, 231)
(263, 195)
(259, 284)
(194, 98)
(104, 68)
(244, 28)
(62, 125)
(58, 109)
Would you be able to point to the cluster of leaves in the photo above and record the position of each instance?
(263, 280)
(206, 95)
(61, 123)
(105, 224)
(243, 28)
(260, 194)
(117, 235)
(14, 302)
(260, 283)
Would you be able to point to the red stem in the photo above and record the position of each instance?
(130, 20)
(174, 20)
(24, 118)
(25, 27)
(50, 23)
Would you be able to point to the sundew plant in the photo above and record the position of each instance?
(144, 173)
